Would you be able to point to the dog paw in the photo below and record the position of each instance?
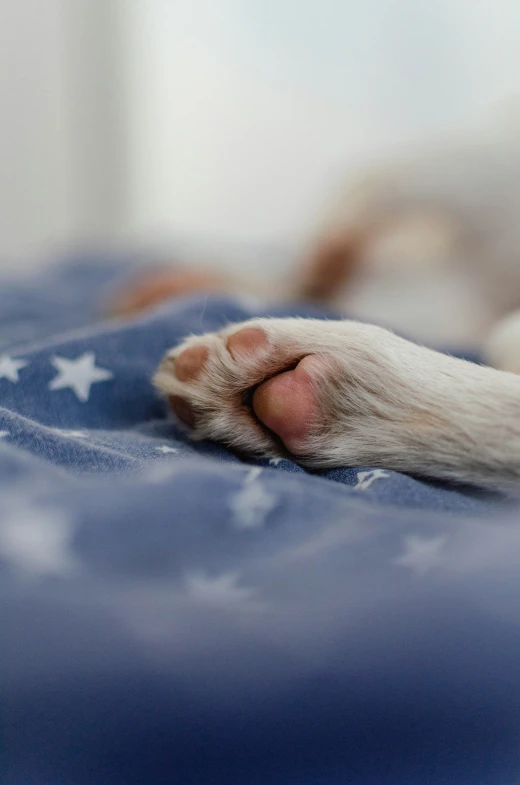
(327, 393)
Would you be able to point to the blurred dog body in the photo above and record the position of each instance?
(455, 268)
(428, 246)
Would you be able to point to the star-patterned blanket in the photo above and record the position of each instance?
(173, 614)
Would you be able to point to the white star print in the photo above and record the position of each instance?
(160, 472)
(9, 368)
(252, 475)
(421, 554)
(365, 479)
(275, 461)
(37, 542)
(166, 450)
(252, 503)
(223, 590)
(3, 434)
(79, 374)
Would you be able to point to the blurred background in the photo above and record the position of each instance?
(131, 123)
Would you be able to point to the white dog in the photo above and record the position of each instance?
(333, 393)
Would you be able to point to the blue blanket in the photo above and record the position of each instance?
(173, 614)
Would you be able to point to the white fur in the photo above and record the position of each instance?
(383, 402)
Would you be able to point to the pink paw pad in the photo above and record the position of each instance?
(190, 363)
(246, 341)
(183, 410)
(188, 366)
(286, 404)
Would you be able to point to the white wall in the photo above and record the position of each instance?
(34, 138)
(224, 118)
(242, 113)
(60, 163)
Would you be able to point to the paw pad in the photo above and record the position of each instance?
(246, 341)
(250, 387)
(190, 363)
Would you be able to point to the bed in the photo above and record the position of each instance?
(171, 613)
